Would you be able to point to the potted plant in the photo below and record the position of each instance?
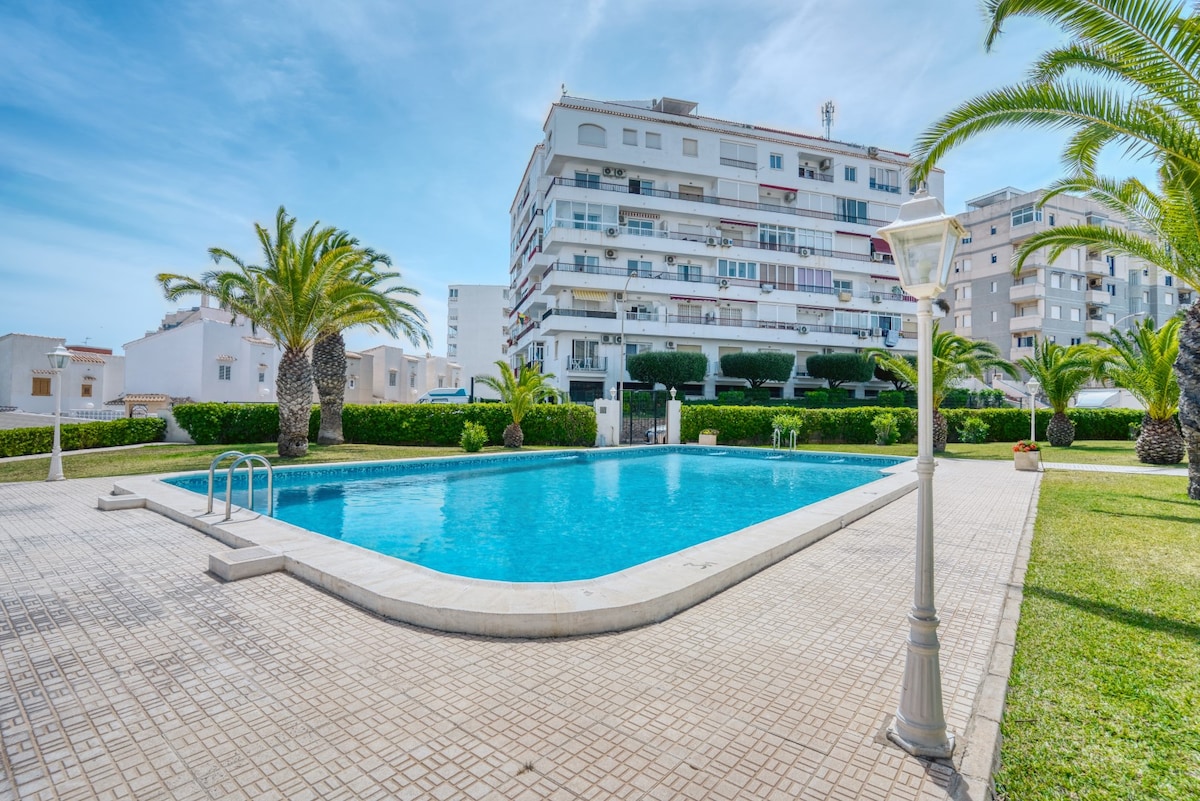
(709, 436)
(1027, 455)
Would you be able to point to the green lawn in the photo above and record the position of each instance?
(1116, 452)
(1104, 698)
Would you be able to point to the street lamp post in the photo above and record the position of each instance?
(58, 362)
(922, 241)
(1033, 385)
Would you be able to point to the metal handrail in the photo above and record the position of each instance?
(212, 468)
(250, 458)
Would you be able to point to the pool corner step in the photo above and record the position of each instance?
(243, 563)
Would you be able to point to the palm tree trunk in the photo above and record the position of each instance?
(294, 388)
(1187, 368)
(941, 431)
(329, 373)
(1061, 431)
(1159, 442)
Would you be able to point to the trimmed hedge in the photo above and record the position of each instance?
(392, 424)
(752, 425)
(77, 436)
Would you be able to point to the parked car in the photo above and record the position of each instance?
(458, 395)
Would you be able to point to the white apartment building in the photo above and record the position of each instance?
(476, 328)
(93, 376)
(1083, 292)
(643, 226)
(399, 377)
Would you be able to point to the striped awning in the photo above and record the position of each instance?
(691, 299)
(590, 294)
(880, 245)
(641, 215)
(225, 357)
(737, 224)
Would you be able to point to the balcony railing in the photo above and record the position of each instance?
(895, 190)
(594, 364)
(813, 175)
(721, 201)
(603, 315)
(745, 165)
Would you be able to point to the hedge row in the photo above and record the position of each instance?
(76, 436)
(752, 425)
(392, 424)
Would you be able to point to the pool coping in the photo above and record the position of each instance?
(637, 596)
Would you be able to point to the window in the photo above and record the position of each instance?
(640, 227)
(1169, 280)
(690, 313)
(1075, 317)
(85, 391)
(393, 378)
(1025, 342)
(452, 349)
(1050, 218)
(1026, 214)
(691, 193)
(850, 174)
(1076, 283)
(966, 240)
(587, 180)
(1056, 280)
(41, 387)
(591, 135)
(691, 147)
(728, 268)
(966, 292)
(262, 377)
(639, 186)
(993, 230)
(351, 382)
(412, 377)
(1168, 299)
(771, 237)
(993, 287)
(885, 180)
(776, 161)
(994, 317)
(850, 210)
(1056, 312)
(653, 141)
(629, 137)
(967, 320)
(1111, 289)
(737, 154)
(730, 316)
(1076, 340)
(587, 216)
(688, 272)
(636, 267)
(224, 372)
(966, 265)
(587, 264)
(454, 292)
(842, 285)
(993, 258)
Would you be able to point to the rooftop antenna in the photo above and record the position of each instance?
(564, 90)
(827, 117)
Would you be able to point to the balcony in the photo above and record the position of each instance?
(719, 201)
(589, 365)
(1097, 297)
(1095, 267)
(1022, 292)
(741, 165)
(895, 190)
(1091, 326)
(813, 175)
(1028, 322)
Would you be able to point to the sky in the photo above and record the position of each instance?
(135, 135)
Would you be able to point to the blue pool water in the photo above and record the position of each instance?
(554, 516)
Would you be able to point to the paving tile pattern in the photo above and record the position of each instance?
(130, 673)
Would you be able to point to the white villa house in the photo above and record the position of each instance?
(476, 327)
(93, 376)
(643, 225)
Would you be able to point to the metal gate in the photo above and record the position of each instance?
(645, 417)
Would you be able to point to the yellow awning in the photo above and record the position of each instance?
(590, 294)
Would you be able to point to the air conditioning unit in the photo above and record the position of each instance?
(862, 334)
(619, 172)
(803, 329)
(726, 243)
(670, 259)
(611, 253)
(670, 345)
(612, 230)
(804, 252)
(897, 291)
(877, 256)
(711, 241)
(619, 295)
(768, 288)
(723, 283)
(878, 332)
(876, 298)
(789, 197)
(621, 219)
(617, 339)
(829, 351)
(826, 164)
(608, 171)
(606, 339)
(872, 152)
(844, 297)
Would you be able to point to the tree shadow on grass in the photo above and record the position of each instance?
(1129, 617)
(1187, 521)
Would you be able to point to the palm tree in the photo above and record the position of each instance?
(1129, 77)
(1062, 372)
(1140, 361)
(302, 288)
(380, 310)
(955, 358)
(520, 390)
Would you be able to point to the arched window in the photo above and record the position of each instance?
(591, 135)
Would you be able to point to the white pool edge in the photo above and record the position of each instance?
(640, 595)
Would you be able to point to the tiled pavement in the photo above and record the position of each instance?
(131, 673)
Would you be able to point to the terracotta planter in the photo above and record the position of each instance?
(708, 439)
(1027, 460)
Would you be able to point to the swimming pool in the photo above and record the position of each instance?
(634, 596)
(553, 517)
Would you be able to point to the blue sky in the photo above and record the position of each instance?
(136, 135)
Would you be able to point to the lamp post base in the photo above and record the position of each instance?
(921, 749)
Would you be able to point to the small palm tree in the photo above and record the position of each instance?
(1062, 372)
(1140, 361)
(520, 390)
(955, 358)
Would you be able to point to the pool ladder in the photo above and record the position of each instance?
(240, 458)
(777, 438)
